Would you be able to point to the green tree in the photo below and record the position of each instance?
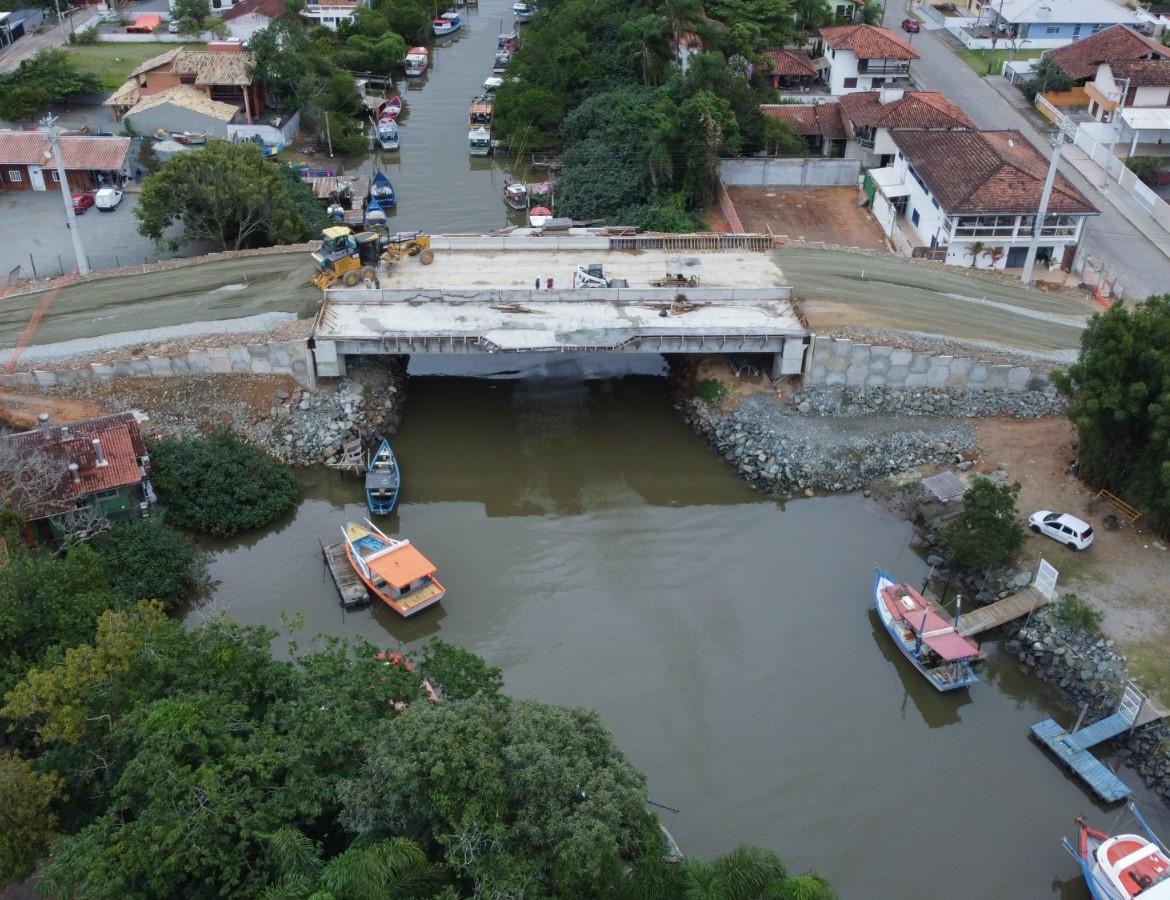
(28, 823)
(146, 560)
(1047, 76)
(147, 159)
(872, 12)
(368, 54)
(52, 70)
(225, 193)
(193, 14)
(1146, 168)
(219, 485)
(780, 140)
(987, 534)
(522, 797)
(23, 102)
(1118, 394)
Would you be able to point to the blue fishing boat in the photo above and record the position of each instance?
(1123, 865)
(375, 214)
(382, 191)
(930, 642)
(383, 480)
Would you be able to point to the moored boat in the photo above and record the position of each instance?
(388, 135)
(538, 215)
(507, 40)
(522, 11)
(390, 109)
(516, 195)
(931, 643)
(480, 112)
(383, 480)
(417, 60)
(479, 141)
(1124, 865)
(500, 63)
(375, 214)
(490, 85)
(394, 570)
(448, 23)
(382, 191)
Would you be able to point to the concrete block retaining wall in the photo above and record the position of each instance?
(809, 172)
(274, 358)
(841, 362)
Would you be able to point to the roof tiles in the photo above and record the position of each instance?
(1081, 59)
(790, 62)
(868, 42)
(807, 120)
(915, 109)
(78, 153)
(1142, 72)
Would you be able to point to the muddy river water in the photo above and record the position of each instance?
(602, 556)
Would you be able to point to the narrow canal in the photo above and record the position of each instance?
(602, 556)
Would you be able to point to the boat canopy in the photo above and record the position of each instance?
(401, 565)
(940, 636)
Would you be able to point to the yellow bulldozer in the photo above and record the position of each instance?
(352, 258)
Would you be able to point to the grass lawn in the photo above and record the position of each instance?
(112, 63)
(978, 59)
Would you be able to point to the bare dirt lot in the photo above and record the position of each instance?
(828, 214)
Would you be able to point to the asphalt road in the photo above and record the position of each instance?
(1141, 267)
(838, 289)
(205, 292)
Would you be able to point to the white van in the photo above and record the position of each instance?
(107, 199)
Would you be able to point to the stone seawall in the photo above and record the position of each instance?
(840, 362)
(272, 358)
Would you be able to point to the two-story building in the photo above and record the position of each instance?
(1054, 23)
(62, 478)
(1082, 59)
(246, 18)
(1134, 95)
(331, 13)
(873, 117)
(864, 58)
(221, 73)
(976, 194)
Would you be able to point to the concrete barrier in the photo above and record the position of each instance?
(839, 362)
(274, 358)
(780, 172)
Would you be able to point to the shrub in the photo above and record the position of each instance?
(710, 390)
(987, 534)
(1146, 168)
(148, 561)
(1076, 613)
(219, 485)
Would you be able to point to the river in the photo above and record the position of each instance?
(602, 556)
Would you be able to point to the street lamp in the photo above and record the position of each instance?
(70, 218)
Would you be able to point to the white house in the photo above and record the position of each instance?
(249, 16)
(331, 12)
(1134, 94)
(1054, 23)
(976, 194)
(864, 58)
(872, 117)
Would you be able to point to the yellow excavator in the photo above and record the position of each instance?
(352, 258)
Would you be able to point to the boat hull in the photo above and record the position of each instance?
(383, 481)
(405, 604)
(1122, 866)
(952, 677)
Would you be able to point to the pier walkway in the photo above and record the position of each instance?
(350, 588)
(1002, 611)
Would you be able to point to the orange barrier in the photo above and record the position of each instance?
(29, 330)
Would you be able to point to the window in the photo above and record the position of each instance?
(1052, 29)
(935, 202)
(56, 176)
(878, 82)
(186, 79)
(106, 495)
(914, 217)
(15, 175)
(850, 82)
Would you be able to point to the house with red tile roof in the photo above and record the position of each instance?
(976, 194)
(789, 70)
(27, 162)
(59, 476)
(1081, 59)
(864, 58)
(819, 125)
(246, 18)
(872, 118)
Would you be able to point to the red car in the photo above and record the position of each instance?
(82, 202)
(911, 26)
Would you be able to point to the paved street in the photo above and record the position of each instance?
(1141, 267)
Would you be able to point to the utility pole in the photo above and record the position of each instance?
(1114, 131)
(1045, 196)
(63, 180)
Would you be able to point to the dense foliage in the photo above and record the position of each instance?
(219, 484)
(145, 560)
(987, 534)
(48, 77)
(1118, 395)
(1048, 75)
(228, 194)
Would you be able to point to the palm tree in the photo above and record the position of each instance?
(391, 868)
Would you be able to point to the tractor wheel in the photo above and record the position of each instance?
(369, 273)
(427, 257)
(351, 279)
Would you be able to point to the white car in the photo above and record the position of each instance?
(1068, 530)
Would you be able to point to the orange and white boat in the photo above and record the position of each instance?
(394, 571)
(1124, 865)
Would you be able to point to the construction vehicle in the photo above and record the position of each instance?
(353, 258)
(593, 276)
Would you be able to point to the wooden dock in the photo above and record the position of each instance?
(1002, 611)
(350, 588)
(1072, 747)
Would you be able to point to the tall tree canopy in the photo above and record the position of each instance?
(987, 534)
(1118, 395)
(228, 194)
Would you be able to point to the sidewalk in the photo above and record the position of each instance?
(1111, 193)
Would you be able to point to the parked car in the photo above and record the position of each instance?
(173, 26)
(911, 26)
(107, 199)
(82, 202)
(1069, 530)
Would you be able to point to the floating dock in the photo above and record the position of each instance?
(1072, 748)
(350, 588)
